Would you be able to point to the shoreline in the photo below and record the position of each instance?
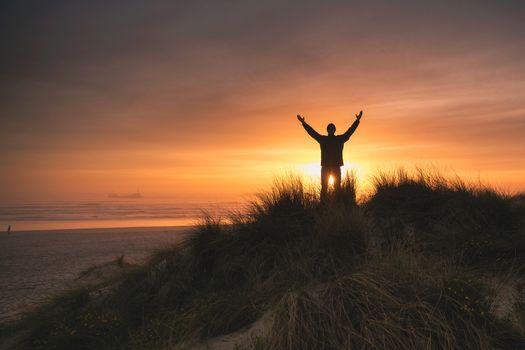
(56, 225)
(108, 229)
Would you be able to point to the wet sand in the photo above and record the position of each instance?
(36, 265)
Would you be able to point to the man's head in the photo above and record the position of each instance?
(331, 129)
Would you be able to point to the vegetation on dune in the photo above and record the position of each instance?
(472, 222)
(406, 268)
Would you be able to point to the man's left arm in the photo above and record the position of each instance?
(354, 126)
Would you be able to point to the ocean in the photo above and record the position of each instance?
(107, 213)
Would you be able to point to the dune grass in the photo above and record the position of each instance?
(403, 269)
(471, 222)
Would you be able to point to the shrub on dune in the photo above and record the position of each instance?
(449, 216)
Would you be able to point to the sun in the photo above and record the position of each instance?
(331, 181)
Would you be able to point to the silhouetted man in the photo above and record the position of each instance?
(331, 151)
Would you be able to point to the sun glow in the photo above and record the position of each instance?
(311, 172)
(331, 181)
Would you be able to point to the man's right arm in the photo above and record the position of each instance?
(314, 134)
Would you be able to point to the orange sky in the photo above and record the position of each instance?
(199, 100)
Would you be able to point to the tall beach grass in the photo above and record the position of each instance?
(405, 268)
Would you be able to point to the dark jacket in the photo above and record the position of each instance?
(331, 145)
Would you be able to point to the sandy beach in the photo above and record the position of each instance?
(36, 265)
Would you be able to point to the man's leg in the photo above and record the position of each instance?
(325, 175)
(326, 172)
(336, 173)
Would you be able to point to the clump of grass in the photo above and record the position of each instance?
(347, 194)
(120, 261)
(97, 269)
(403, 301)
(450, 216)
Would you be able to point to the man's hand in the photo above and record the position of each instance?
(358, 116)
(301, 119)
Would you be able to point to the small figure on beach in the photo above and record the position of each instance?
(8, 229)
(331, 152)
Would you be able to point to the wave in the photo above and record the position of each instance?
(112, 210)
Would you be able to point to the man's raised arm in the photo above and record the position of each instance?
(309, 129)
(354, 126)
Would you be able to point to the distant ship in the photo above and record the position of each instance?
(129, 196)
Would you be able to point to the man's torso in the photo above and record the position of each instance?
(332, 151)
